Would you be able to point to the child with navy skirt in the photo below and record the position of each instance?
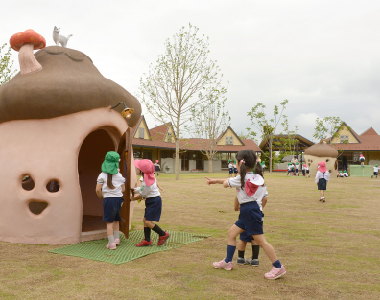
(111, 186)
(321, 178)
(149, 191)
(250, 192)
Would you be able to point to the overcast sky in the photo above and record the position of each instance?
(321, 55)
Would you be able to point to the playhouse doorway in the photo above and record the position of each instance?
(91, 156)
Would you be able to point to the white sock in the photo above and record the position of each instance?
(116, 234)
(111, 239)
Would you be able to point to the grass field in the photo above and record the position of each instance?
(330, 250)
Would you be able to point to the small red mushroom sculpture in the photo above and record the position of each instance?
(25, 43)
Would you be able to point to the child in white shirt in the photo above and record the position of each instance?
(321, 178)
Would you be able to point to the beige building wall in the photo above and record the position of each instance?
(146, 130)
(345, 131)
(229, 133)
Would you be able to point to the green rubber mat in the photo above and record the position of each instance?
(127, 250)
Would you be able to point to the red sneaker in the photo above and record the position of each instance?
(162, 239)
(144, 243)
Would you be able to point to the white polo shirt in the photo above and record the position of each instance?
(148, 191)
(261, 192)
(117, 180)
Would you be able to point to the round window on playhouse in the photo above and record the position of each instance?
(27, 182)
(53, 186)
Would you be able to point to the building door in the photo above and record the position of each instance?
(184, 161)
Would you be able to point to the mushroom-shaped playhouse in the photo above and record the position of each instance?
(320, 152)
(56, 126)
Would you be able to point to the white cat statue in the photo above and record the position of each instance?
(60, 39)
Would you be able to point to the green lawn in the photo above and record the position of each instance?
(330, 250)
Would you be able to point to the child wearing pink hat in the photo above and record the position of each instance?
(322, 178)
(149, 191)
(362, 160)
(157, 168)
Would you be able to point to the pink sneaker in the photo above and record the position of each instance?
(111, 246)
(223, 265)
(117, 241)
(275, 273)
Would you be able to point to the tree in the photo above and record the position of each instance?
(6, 63)
(287, 143)
(244, 135)
(209, 122)
(181, 79)
(328, 127)
(266, 128)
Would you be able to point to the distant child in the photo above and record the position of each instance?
(245, 238)
(157, 168)
(250, 190)
(263, 166)
(362, 160)
(149, 191)
(297, 168)
(235, 170)
(303, 169)
(340, 174)
(230, 168)
(111, 186)
(307, 170)
(375, 170)
(345, 174)
(322, 178)
(293, 169)
(289, 168)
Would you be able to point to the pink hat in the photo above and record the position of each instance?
(147, 167)
(361, 155)
(322, 167)
(252, 184)
(156, 161)
(304, 165)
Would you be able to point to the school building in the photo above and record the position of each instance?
(353, 144)
(158, 143)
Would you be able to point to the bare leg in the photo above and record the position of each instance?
(241, 245)
(322, 193)
(115, 226)
(233, 232)
(109, 229)
(268, 249)
(149, 224)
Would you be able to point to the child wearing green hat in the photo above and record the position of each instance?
(235, 169)
(375, 170)
(111, 186)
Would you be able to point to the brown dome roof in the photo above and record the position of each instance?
(321, 150)
(68, 83)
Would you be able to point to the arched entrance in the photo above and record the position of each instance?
(91, 156)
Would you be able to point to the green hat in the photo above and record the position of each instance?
(235, 161)
(111, 164)
(376, 165)
(340, 172)
(297, 163)
(345, 171)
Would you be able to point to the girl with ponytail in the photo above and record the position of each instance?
(250, 191)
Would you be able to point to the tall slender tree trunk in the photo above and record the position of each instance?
(210, 165)
(270, 156)
(177, 158)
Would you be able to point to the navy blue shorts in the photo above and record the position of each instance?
(245, 237)
(153, 207)
(156, 168)
(250, 218)
(235, 171)
(111, 209)
(375, 173)
(296, 170)
(307, 171)
(230, 171)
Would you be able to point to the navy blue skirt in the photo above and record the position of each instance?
(235, 171)
(230, 171)
(322, 183)
(250, 218)
(153, 207)
(111, 209)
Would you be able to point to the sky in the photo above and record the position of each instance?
(321, 55)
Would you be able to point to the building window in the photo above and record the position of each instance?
(141, 133)
(344, 138)
(229, 140)
(169, 137)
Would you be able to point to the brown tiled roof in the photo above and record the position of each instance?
(193, 144)
(158, 132)
(369, 131)
(368, 143)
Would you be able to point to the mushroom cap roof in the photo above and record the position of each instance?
(68, 83)
(321, 150)
(29, 36)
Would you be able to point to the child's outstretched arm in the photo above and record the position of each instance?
(98, 190)
(264, 201)
(236, 204)
(215, 181)
(159, 187)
